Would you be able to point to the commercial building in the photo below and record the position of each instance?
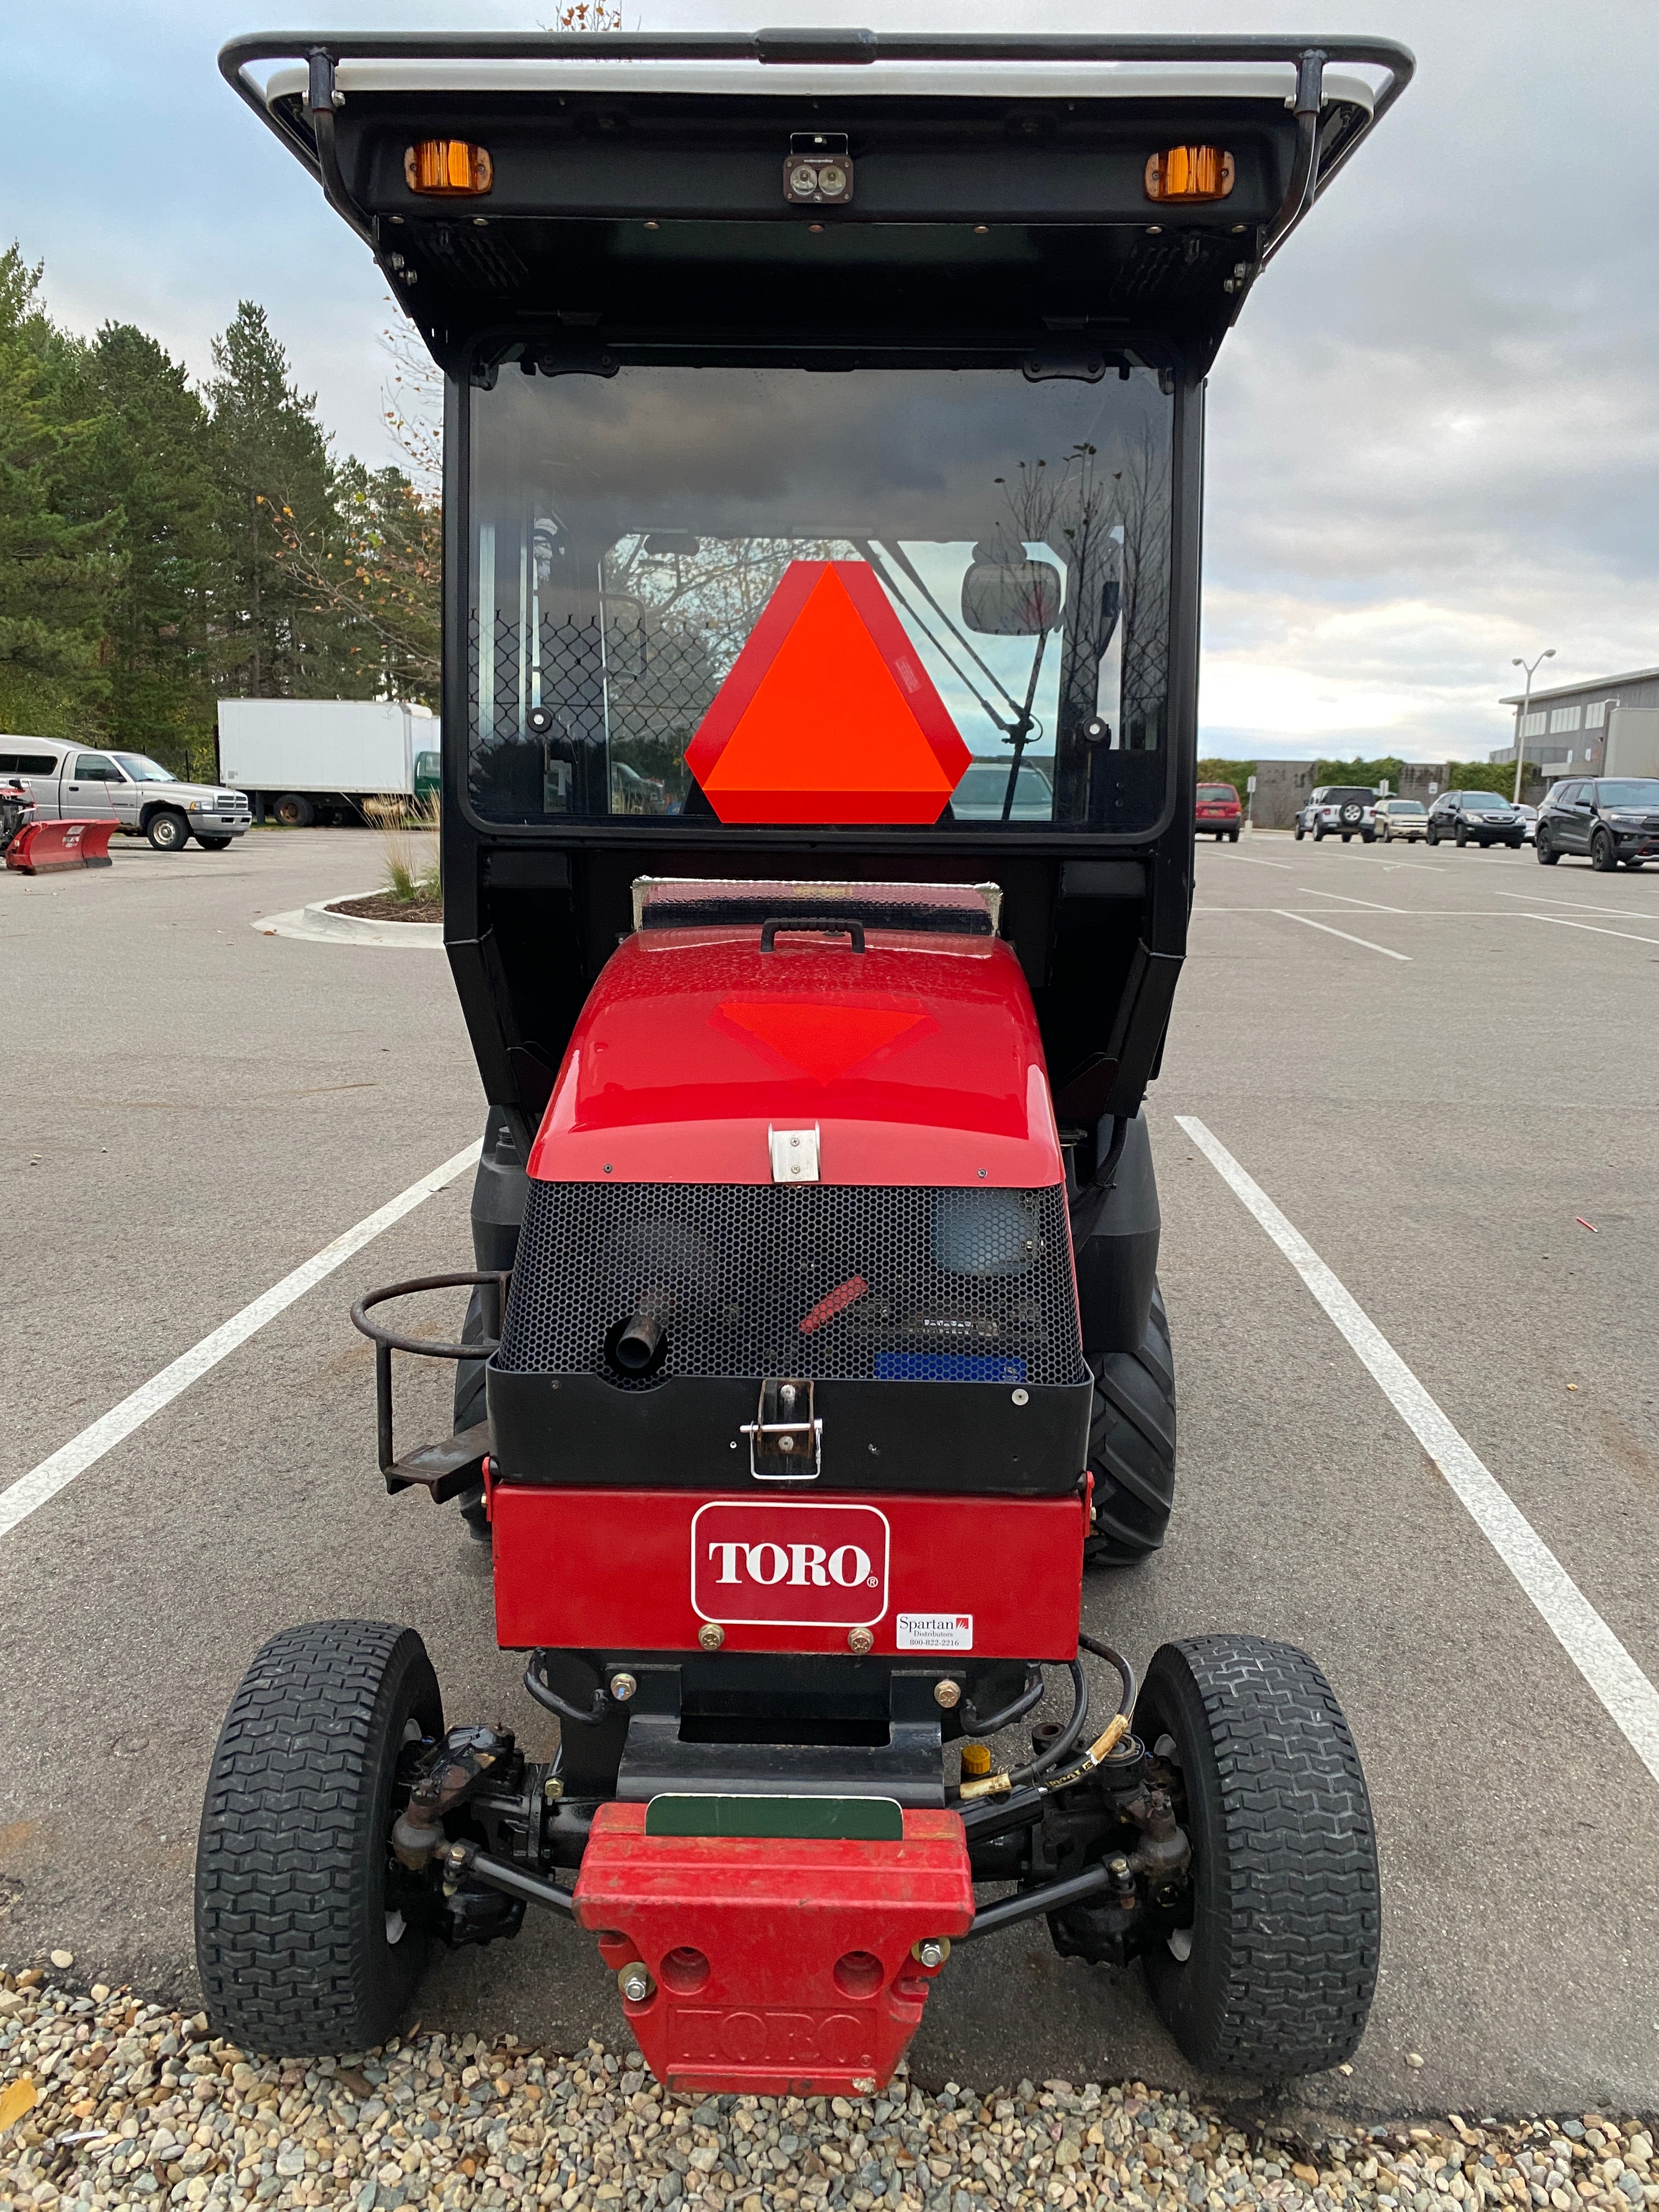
(1564, 729)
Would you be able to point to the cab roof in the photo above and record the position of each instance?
(1001, 192)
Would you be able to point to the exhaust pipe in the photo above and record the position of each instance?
(639, 1342)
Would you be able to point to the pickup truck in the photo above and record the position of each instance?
(75, 782)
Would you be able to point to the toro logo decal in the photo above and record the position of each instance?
(779, 1565)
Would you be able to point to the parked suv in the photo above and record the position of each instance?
(1401, 817)
(1347, 809)
(72, 782)
(1478, 817)
(1613, 819)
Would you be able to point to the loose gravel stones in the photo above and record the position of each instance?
(107, 2102)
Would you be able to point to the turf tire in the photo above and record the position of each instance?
(294, 1943)
(1285, 1920)
(1131, 1447)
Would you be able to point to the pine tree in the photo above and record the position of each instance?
(149, 461)
(55, 566)
(272, 466)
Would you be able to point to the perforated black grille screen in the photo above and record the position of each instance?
(816, 1280)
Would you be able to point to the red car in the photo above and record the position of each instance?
(1218, 811)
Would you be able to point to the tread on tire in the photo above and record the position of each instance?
(297, 1952)
(1131, 1447)
(1285, 1937)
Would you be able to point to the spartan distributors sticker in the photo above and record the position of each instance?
(935, 1631)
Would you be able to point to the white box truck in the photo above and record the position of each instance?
(1632, 747)
(302, 761)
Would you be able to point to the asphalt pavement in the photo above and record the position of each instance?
(1441, 1066)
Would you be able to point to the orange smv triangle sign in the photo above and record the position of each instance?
(827, 714)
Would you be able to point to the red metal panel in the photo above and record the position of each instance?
(632, 1570)
(827, 714)
(918, 1061)
(781, 1968)
(40, 848)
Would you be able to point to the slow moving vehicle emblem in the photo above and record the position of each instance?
(827, 714)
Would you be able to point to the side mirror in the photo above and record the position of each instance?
(1010, 598)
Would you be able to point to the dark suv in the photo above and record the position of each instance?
(1611, 817)
(1477, 818)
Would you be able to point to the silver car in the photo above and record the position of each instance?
(75, 783)
(1401, 817)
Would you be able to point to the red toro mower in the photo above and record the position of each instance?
(824, 443)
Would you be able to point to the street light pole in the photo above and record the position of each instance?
(1548, 653)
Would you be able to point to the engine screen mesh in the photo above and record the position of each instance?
(819, 1280)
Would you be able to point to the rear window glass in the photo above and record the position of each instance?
(28, 764)
(941, 573)
(1345, 794)
(1222, 791)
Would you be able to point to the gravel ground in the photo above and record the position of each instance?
(107, 2101)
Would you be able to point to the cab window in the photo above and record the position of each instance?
(96, 768)
(1004, 546)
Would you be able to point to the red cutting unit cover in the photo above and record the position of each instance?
(781, 1967)
(918, 1061)
(627, 1569)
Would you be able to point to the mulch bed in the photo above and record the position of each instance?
(381, 906)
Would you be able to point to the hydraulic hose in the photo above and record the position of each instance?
(1030, 1696)
(1126, 1703)
(998, 1785)
(599, 1710)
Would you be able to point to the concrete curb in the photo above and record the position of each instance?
(319, 924)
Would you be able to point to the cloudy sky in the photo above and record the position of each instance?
(1434, 437)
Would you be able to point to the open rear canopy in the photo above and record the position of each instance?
(978, 187)
(823, 469)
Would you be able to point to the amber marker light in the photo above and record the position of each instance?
(448, 168)
(1190, 173)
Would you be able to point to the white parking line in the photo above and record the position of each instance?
(33, 1490)
(1562, 922)
(1579, 906)
(1347, 901)
(1630, 1697)
(1245, 861)
(1329, 932)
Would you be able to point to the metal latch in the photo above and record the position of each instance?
(786, 1442)
(794, 1154)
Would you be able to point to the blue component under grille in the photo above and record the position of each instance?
(946, 1367)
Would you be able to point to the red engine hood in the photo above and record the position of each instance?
(918, 1061)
